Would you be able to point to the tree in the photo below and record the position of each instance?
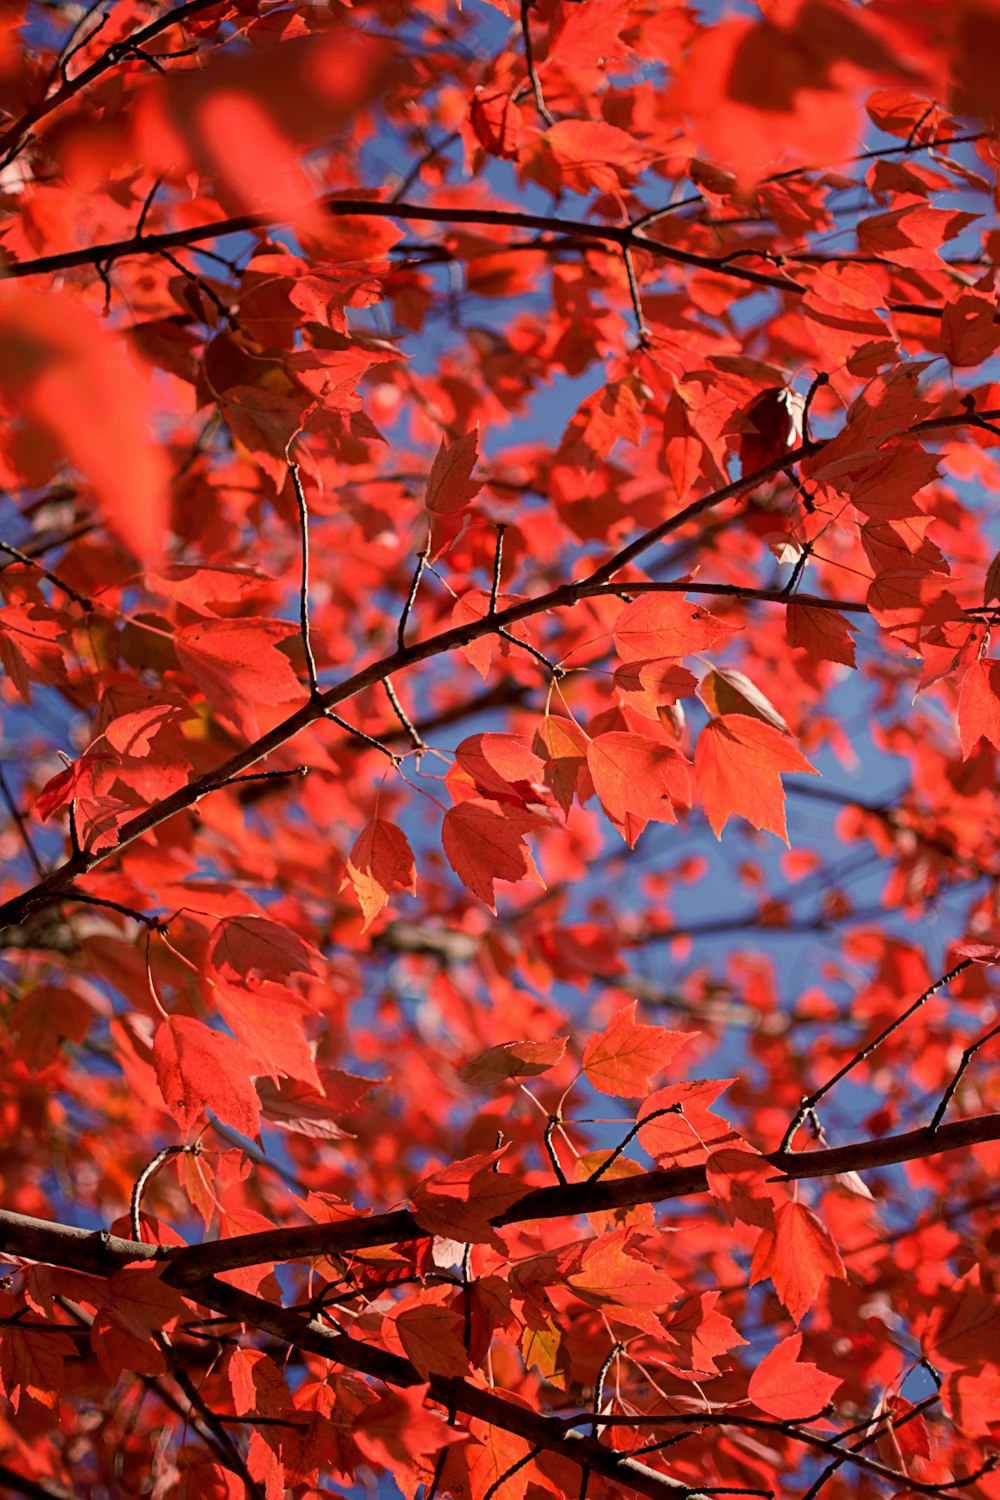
(467, 472)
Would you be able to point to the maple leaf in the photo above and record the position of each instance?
(31, 646)
(614, 1276)
(431, 1335)
(398, 1427)
(738, 1178)
(798, 1255)
(637, 779)
(450, 485)
(32, 1364)
(825, 633)
(512, 1060)
(593, 154)
(738, 765)
(380, 861)
(459, 1201)
(666, 625)
(979, 705)
(790, 1388)
(564, 745)
(647, 686)
(484, 844)
(251, 947)
(474, 606)
(237, 665)
(197, 1069)
(624, 1058)
(676, 1124)
(964, 1328)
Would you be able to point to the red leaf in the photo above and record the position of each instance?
(798, 1255)
(738, 1178)
(484, 844)
(431, 1336)
(612, 1277)
(71, 376)
(399, 1428)
(690, 1130)
(252, 947)
(199, 1069)
(459, 1201)
(979, 705)
(738, 764)
(512, 1060)
(789, 1388)
(450, 485)
(647, 686)
(474, 606)
(592, 154)
(638, 779)
(657, 625)
(380, 862)
(625, 1057)
(964, 1327)
(822, 632)
(237, 665)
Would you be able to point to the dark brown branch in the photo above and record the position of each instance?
(101, 1254)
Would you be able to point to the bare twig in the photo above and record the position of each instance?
(810, 1101)
(300, 500)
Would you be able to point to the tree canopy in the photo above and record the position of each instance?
(498, 792)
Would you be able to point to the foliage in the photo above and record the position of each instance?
(441, 446)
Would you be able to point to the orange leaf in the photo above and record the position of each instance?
(738, 764)
(656, 625)
(512, 1060)
(198, 1069)
(71, 377)
(979, 705)
(624, 1058)
(450, 485)
(380, 861)
(459, 1201)
(789, 1388)
(822, 632)
(798, 1255)
(484, 843)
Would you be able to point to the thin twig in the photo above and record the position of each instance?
(53, 578)
(299, 771)
(511, 1470)
(149, 1171)
(641, 328)
(300, 499)
(403, 717)
(529, 62)
(497, 568)
(22, 827)
(550, 1130)
(359, 734)
(967, 1057)
(410, 599)
(671, 1109)
(810, 1101)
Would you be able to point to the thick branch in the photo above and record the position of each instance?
(101, 1254)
